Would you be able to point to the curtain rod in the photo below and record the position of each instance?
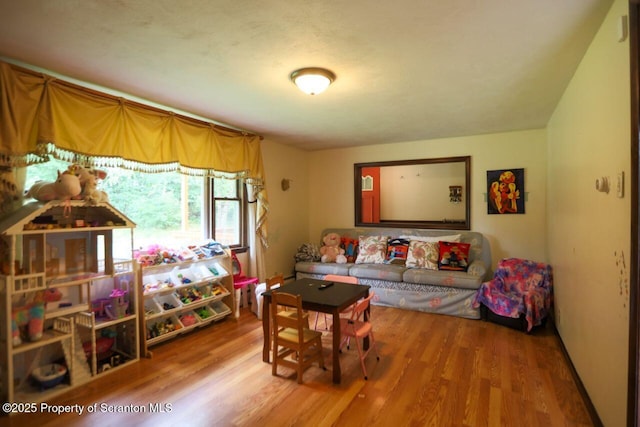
(131, 102)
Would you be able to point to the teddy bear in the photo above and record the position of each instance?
(331, 251)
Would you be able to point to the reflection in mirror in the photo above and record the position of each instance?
(425, 193)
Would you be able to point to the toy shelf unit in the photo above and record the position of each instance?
(70, 293)
(179, 297)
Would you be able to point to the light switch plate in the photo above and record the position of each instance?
(620, 185)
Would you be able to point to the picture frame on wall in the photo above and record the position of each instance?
(505, 191)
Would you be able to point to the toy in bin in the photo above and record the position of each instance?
(161, 328)
(203, 313)
(188, 319)
(189, 295)
(48, 376)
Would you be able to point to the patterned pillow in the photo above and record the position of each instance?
(454, 256)
(423, 255)
(350, 247)
(397, 251)
(372, 249)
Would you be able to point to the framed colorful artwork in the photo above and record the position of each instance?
(505, 191)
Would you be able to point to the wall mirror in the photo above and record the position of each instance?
(424, 193)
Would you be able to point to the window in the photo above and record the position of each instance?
(228, 212)
(168, 208)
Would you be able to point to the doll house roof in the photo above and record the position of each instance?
(59, 214)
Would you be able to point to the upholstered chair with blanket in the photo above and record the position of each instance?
(519, 295)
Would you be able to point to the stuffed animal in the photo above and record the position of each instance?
(89, 182)
(66, 187)
(307, 252)
(331, 251)
(350, 248)
(30, 316)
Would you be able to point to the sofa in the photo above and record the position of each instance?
(412, 282)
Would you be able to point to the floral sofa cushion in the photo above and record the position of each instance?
(423, 254)
(390, 272)
(323, 268)
(450, 279)
(372, 249)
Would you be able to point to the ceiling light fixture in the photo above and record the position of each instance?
(312, 80)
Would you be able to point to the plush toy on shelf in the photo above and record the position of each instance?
(331, 251)
(89, 183)
(66, 187)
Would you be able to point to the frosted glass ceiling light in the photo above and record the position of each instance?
(312, 81)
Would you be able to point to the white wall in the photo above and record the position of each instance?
(588, 231)
(331, 194)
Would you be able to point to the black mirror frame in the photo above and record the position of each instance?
(427, 223)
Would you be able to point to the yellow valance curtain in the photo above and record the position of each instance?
(41, 115)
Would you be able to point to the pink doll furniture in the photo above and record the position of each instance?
(240, 282)
(519, 295)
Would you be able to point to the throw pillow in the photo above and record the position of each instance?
(350, 247)
(372, 249)
(423, 255)
(454, 256)
(397, 251)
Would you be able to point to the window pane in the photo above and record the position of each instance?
(227, 221)
(166, 207)
(225, 188)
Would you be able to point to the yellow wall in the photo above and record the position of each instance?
(588, 231)
(288, 210)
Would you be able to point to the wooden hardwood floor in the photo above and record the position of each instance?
(434, 370)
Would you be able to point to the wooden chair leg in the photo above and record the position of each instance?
(274, 366)
(319, 344)
(300, 372)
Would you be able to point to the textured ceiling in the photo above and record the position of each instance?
(406, 69)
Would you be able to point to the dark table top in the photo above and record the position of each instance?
(337, 296)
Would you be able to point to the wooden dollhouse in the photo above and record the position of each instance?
(70, 295)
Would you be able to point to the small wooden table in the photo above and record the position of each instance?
(331, 300)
